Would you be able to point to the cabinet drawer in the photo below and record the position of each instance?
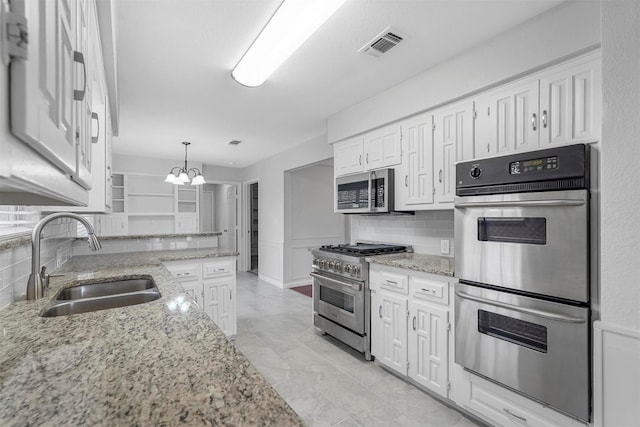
(185, 273)
(394, 282)
(505, 408)
(216, 269)
(430, 289)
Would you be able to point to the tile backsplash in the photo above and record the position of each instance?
(134, 244)
(424, 230)
(15, 262)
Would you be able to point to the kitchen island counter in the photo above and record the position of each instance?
(150, 364)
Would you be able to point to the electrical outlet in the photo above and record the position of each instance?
(444, 246)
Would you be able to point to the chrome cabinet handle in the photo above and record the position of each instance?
(544, 118)
(414, 323)
(488, 148)
(95, 139)
(531, 311)
(367, 158)
(380, 312)
(534, 121)
(440, 175)
(514, 415)
(406, 180)
(360, 159)
(109, 174)
(78, 95)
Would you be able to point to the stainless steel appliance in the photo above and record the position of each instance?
(366, 192)
(341, 295)
(522, 257)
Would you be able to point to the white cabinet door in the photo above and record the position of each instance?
(392, 314)
(186, 223)
(428, 346)
(453, 141)
(507, 119)
(42, 86)
(382, 148)
(571, 102)
(218, 296)
(83, 100)
(194, 290)
(414, 180)
(347, 156)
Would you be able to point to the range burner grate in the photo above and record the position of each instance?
(364, 249)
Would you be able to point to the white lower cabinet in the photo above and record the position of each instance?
(501, 407)
(410, 325)
(211, 282)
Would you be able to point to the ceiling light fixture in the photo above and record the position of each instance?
(184, 173)
(288, 28)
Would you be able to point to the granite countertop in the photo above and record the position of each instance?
(433, 264)
(139, 365)
(157, 236)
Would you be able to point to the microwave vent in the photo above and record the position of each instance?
(382, 43)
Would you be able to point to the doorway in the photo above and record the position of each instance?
(218, 212)
(253, 227)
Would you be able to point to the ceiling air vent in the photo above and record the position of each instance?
(234, 142)
(381, 43)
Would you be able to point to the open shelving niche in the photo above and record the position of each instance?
(149, 205)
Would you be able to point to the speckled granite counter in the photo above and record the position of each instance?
(158, 236)
(139, 365)
(433, 264)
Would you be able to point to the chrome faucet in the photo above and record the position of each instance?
(35, 288)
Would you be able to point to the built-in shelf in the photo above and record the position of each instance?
(151, 195)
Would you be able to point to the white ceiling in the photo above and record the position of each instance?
(175, 59)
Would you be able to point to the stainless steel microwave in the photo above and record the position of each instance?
(366, 192)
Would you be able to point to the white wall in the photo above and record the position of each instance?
(423, 231)
(270, 175)
(309, 219)
(617, 335)
(547, 38)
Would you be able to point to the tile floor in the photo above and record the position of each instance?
(325, 382)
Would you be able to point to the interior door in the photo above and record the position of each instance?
(227, 217)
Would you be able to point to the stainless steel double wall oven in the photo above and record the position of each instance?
(522, 257)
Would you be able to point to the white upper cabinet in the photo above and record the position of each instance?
(414, 180)
(453, 142)
(571, 102)
(347, 156)
(558, 106)
(382, 147)
(42, 86)
(53, 109)
(507, 119)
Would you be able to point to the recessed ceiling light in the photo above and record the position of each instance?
(288, 28)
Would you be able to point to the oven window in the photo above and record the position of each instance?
(526, 334)
(353, 195)
(337, 298)
(513, 230)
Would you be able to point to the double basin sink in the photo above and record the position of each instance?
(103, 296)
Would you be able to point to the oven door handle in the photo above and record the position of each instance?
(355, 286)
(521, 203)
(531, 311)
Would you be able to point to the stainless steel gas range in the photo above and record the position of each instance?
(341, 295)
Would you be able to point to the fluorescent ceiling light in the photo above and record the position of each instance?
(289, 27)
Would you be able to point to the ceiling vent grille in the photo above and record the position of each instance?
(381, 43)
(234, 142)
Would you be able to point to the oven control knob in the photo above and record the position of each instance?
(475, 172)
(348, 268)
(337, 266)
(321, 262)
(332, 264)
(356, 269)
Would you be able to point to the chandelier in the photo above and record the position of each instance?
(184, 174)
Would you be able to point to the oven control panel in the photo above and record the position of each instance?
(336, 266)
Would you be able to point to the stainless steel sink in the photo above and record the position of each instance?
(103, 296)
(106, 289)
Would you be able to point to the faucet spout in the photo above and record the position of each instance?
(35, 288)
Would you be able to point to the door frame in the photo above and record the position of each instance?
(245, 255)
(239, 213)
